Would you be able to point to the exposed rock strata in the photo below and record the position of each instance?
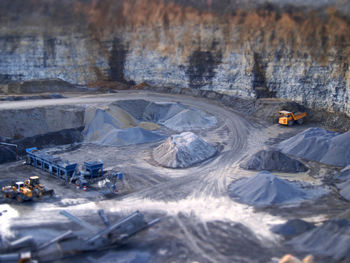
(241, 48)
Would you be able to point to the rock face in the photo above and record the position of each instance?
(183, 150)
(298, 50)
(272, 160)
(21, 123)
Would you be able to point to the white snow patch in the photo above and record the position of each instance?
(8, 213)
(208, 209)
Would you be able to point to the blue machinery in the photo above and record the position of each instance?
(60, 168)
(51, 164)
(94, 169)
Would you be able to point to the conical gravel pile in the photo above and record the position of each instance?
(272, 160)
(319, 145)
(267, 189)
(183, 150)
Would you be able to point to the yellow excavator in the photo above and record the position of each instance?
(288, 118)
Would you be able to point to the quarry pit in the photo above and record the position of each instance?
(181, 101)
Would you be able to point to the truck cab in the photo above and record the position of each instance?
(18, 186)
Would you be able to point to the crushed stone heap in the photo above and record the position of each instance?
(319, 145)
(267, 189)
(114, 127)
(172, 115)
(343, 179)
(273, 160)
(331, 239)
(129, 122)
(292, 227)
(7, 154)
(183, 150)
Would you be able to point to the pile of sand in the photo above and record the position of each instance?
(272, 160)
(319, 145)
(267, 189)
(332, 239)
(183, 150)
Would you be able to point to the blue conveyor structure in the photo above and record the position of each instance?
(56, 166)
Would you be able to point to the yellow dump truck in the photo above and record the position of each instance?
(288, 118)
(18, 190)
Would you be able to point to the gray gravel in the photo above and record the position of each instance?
(319, 145)
(272, 160)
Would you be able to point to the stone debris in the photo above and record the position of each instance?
(267, 189)
(7, 154)
(319, 145)
(273, 160)
(175, 116)
(183, 150)
(190, 119)
(138, 121)
(292, 228)
(331, 239)
(342, 180)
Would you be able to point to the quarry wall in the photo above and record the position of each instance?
(250, 49)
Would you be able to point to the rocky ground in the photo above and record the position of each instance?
(200, 222)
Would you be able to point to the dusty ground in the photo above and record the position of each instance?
(199, 220)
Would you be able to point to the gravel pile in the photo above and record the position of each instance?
(273, 160)
(343, 179)
(190, 119)
(139, 121)
(114, 127)
(7, 154)
(292, 228)
(319, 145)
(183, 150)
(332, 239)
(172, 115)
(267, 189)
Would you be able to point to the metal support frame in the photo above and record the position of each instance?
(50, 164)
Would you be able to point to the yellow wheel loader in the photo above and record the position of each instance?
(18, 191)
(38, 189)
